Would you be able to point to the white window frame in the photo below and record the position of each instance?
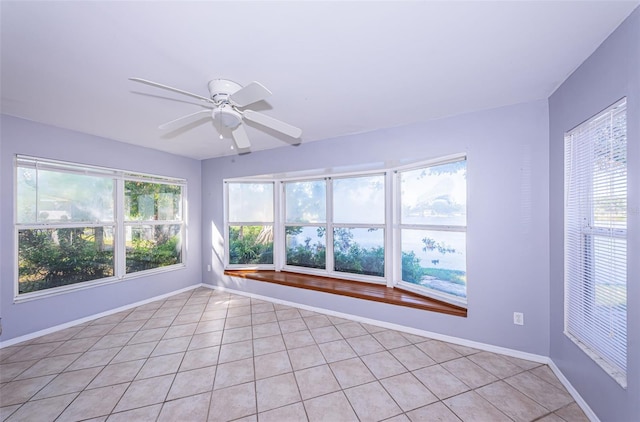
(329, 225)
(452, 299)
(228, 224)
(391, 226)
(328, 270)
(158, 180)
(384, 279)
(580, 254)
(119, 177)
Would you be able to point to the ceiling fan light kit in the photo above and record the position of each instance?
(227, 116)
(225, 102)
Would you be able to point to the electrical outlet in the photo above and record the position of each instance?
(518, 318)
(208, 267)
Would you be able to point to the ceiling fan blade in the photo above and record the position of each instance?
(179, 119)
(240, 137)
(272, 123)
(179, 91)
(250, 94)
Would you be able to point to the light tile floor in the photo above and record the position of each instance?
(206, 355)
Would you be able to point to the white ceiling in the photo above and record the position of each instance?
(334, 68)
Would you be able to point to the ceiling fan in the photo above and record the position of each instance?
(225, 105)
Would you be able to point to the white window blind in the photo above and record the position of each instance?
(596, 238)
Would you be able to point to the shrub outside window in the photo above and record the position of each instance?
(67, 224)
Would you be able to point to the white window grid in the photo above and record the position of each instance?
(119, 176)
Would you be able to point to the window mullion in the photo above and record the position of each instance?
(225, 212)
(278, 225)
(329, 226)
(119, 243)
(390, 249)
(397, 233)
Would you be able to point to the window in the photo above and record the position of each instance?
(153, 225)
(596, 238)
(359, 225)
(70, 231)
(306, 223)
(345, 226)
(250, 223)
(433, 210)
(336, 225)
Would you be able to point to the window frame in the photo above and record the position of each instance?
(228, 224)
(142, 223)
(326, 271)
(581, 226)
(118, 223)
(391, 226)
(329, 225)
(384, 279)
(445, 297)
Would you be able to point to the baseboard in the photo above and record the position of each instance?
(576, 396)
(53, 329)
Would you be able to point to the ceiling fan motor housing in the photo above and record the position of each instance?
(221, 89)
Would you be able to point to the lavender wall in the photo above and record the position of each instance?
(24, 137)
(611, 73)
(507, 235)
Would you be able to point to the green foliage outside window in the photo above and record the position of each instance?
(146, 254)
(152, 201)
(358, 260)
(251, 245)
(351, 257)
(50, 258)
(307, 254)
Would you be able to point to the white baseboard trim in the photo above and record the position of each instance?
(576, 396)
(53, 329)
(449, 339)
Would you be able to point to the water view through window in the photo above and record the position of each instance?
(433, 227)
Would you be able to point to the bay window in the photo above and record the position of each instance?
(346, 226)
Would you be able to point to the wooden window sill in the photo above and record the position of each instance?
(366, 291)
